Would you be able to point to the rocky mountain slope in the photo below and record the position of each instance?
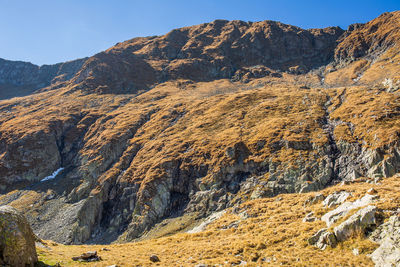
(199, 120)
(19, 78)
(261, 232)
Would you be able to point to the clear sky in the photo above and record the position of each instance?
(51, 31)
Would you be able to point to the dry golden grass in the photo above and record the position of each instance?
(273, 234)
(374, 114)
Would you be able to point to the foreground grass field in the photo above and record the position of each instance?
(261, 232)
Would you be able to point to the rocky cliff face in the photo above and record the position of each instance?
(19, 78)
(198, 120)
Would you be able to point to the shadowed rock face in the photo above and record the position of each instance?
(150, 129)
(19, 78)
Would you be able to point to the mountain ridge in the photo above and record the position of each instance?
(19, 78)
(199, 120)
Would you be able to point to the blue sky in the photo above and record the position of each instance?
(51, 31)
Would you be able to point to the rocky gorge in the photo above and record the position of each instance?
(196, 121)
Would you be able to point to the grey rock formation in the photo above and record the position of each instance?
(388, 236)
(360, 223)
(322, 239)
(314, 199)
(17, 241)
(335, 199)
(334, 215)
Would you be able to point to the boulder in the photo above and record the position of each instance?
(361, 222)
(17, 240)
(322, 239)
(154, 258)
(334, 215)
(388, 236)
(335, 199)
(309, 217)
(89, 256)
(314, 199)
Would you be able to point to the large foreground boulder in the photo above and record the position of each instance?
(17, 240)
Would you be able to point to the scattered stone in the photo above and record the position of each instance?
(105, 249)
(234, 224)
(356, 251)
(322, 239)
(278, 199)
(154, 258)
(334, 215)
(17, 240)
(314, 199)
(388, 236)
(372, 191)
(309, 217)
(113, 265)
(201, 265)
(361, 222)
(335, 199)
(89, 256)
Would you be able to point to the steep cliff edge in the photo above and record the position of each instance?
(199, 120)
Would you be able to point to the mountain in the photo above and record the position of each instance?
(196, 121)
(210, 51)
(19, 78)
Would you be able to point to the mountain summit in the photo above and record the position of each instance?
(201, 119)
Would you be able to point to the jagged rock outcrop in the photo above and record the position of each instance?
(17, 241)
